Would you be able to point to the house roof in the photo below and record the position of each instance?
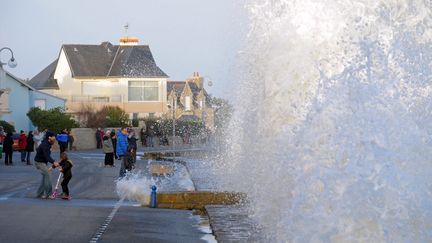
(30, 87)
(112, 61)
(45, 79)
(104, 60)
(177, 85)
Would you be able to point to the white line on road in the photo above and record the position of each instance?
(107, 221)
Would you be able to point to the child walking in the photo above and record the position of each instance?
(66, 168)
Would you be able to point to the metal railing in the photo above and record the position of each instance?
(95, 98)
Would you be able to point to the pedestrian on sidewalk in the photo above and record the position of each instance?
(8, 148)
(22, 145)
(108, 149)
(122, 145)
(98, 136)
(65, 168)
(71, 140)
(43, 156)
(62, 139)
(30, 147)
(132, 141)
(129, 161)
(151, 133)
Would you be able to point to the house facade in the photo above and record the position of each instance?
(123, 75)
(188, 100)
(126, 76)
(19, 97)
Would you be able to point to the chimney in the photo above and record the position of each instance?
(129, 41)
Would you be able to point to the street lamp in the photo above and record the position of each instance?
(11, 63)
(173, 107)
(203, 112)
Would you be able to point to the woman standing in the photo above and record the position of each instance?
(114, 142)
(30, 146)
(22, 144)
(108, 149)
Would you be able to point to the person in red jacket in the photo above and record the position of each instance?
(22, 145)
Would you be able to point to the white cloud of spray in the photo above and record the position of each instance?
(331, 138)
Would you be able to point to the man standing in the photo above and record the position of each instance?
(98, 136)
(43, 156)
(122, 145)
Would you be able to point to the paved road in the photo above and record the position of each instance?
(94, 214)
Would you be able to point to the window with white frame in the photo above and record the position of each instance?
(40, 103)
(187, 103)
(143, 91)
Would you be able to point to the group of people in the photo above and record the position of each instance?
(26, 143)
(120, 145)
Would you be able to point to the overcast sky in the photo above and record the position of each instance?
(184, 35)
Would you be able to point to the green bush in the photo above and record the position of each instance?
(53, 119)
(115, 116)
(7, 127)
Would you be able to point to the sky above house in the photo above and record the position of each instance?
(184, 36)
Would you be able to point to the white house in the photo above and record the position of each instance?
(124, 75)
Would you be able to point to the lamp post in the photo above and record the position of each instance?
(203, 112)
(11, 63)
(173, 107)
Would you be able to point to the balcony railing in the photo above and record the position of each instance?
(95, 98)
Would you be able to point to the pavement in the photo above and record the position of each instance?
(95, 213)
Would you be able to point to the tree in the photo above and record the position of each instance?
(88, 116)
(7, 127)
(223, 111)
(53, 119)
(115, 116)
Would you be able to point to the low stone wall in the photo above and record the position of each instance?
(85, 138)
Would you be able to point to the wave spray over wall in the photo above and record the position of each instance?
(332, 134)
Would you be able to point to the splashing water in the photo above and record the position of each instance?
(331, 138)
(135, 187)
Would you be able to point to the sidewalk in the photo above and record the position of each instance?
(229, 223)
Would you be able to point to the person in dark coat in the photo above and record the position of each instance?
(132, 141)
(30, 146)
(8, 149)
(98, 136)
(66, 168)
(122, 146)
(43, 156)
(22, 144)
(114, 142)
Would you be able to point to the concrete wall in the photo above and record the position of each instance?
(85, 138)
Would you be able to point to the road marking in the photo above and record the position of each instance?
(107, 221)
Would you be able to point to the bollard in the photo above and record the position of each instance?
(153, 196)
